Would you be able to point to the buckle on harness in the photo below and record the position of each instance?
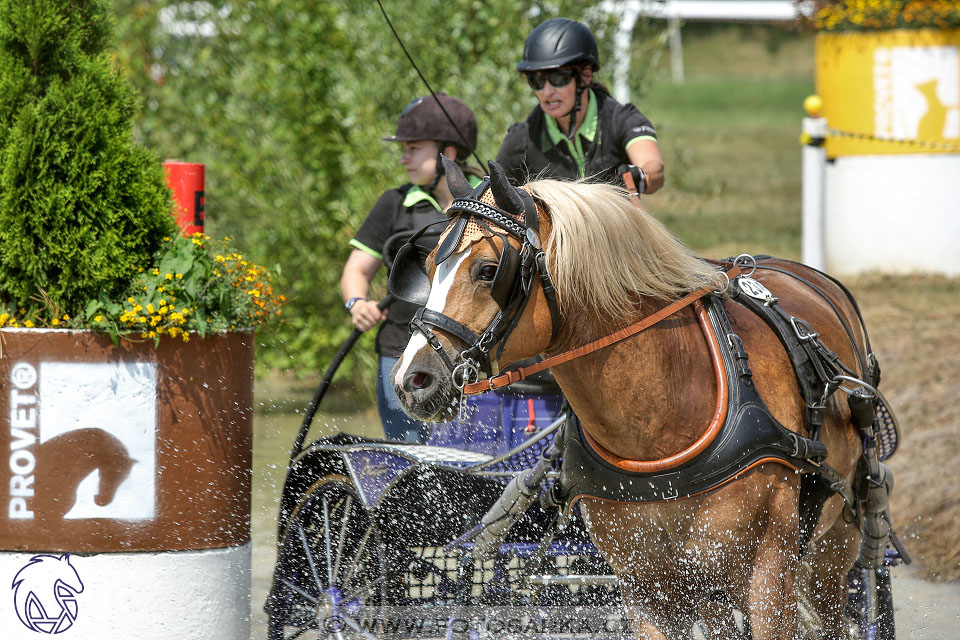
(802, 329)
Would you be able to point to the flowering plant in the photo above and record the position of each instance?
(866, 15)
(196, 286)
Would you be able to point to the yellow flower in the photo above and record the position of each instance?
(27, 323)
(180, 276)
(169, 276)
(97, 318)
(66, 317)
(54, 322)
(156, 271)
(131, 300)
(150, 308)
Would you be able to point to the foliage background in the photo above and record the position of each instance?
(286, 102)
(82, 207)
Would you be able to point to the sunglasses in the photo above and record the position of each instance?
(558, 78)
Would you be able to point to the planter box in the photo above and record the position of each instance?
(127, 448)
(137, 461)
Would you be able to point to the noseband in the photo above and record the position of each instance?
(511, 287)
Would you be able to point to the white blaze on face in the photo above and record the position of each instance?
(443, 279)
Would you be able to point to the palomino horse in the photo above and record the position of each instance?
(645, 402)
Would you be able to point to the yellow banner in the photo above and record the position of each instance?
(901, 84)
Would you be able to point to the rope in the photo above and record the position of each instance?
(807, 139)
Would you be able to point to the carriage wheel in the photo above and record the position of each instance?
(328, 582)
(880, 626)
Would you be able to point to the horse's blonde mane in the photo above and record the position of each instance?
(605, 252)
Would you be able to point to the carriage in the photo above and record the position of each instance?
(371, 528)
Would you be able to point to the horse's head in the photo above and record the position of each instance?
(485, 294)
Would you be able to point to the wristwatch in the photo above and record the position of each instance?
(353, 301)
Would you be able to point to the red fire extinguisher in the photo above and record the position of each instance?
(185, 180)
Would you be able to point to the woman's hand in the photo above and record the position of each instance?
(366, 315)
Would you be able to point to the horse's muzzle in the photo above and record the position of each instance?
(426, 391)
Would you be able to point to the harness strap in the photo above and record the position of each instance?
(521, 373)
(425, 318)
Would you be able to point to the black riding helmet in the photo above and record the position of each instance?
(423, 119)
(557, 42)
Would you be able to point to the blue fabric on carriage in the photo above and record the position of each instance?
(494, 423)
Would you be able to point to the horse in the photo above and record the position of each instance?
(89, 450)
(44, 593)
(644, 401)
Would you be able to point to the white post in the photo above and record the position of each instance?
(676, 49)
(621, 46)
(814, 189)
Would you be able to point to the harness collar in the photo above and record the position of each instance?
(742, 435)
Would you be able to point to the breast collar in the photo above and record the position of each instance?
(742, 435)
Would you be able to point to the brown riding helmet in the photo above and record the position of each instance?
(423, 119)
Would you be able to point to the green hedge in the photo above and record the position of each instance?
(82, 206)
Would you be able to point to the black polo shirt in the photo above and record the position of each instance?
(398, 211)
(535, 148)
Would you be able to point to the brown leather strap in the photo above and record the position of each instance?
(508, 378)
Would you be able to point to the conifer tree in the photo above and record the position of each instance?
(82, 206)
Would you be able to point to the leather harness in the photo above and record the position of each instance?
(743, 435)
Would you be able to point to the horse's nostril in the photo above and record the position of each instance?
(420, 380)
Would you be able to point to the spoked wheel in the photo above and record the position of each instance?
(329, 578)
(872, 622)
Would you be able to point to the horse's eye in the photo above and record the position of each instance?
(487, 272)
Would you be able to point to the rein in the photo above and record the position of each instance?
(521, 373)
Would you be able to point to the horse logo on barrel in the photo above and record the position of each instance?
(45, 593)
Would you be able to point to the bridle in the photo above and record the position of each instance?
(512, 285)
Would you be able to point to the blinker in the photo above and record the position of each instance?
(452, 241)
(504, 279)
(408, 279)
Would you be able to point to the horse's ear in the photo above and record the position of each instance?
(504, 194)
(456, 181)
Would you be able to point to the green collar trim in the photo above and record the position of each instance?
(587, 131)
(418, 194)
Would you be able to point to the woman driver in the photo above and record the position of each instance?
(577, 130)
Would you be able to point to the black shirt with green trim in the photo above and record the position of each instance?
(536, 148)
(398, 211)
